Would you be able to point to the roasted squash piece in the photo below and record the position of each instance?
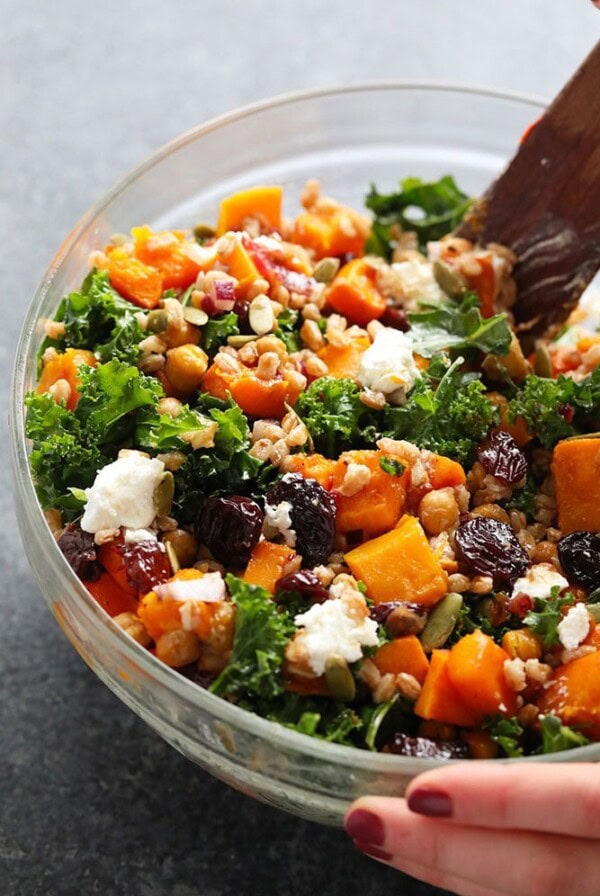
(402, 655)
(263, 203)
(378, 506)
(267, 564)
(576, 471)
(476, 669)
(439, 698)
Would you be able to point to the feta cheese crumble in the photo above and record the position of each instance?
(279, 522)
(190, 593)
(539, 580)
(388, 364)
(574, 627)
(418, 281)
(133, 536)
(123, 494)
(338, 627)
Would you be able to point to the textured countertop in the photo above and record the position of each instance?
(91, 800)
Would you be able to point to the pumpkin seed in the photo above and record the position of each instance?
(594, 610)
(542, 365)
(260, 315)
(326, 269)
(585, 435)
(240, 340)
(339, 678)
(173, 558)
(448, 280)
(157, 321)
(441, 622)
(204, 231)
(195, 316)
(164, 493)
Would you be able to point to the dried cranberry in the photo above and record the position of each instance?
(396, 318)
(146, 564)
(491, 548)
(302, 582)
(424, 748)
(502, 457)
(579, 555)
(242, 309)
(567, 412)
(521, 604)
(312, 515)
(79, 550)
(230, 528)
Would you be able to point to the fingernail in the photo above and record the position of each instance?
(364, 826)
(373, 851)
(435, 803)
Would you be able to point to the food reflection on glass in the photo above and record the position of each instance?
(306, 463)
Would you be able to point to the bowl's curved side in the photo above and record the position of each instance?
(433, 129)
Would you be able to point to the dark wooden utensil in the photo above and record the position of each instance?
(546, 205)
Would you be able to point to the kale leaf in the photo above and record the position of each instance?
(287, 330)
(262, 631)
(557, 409)
(546, 617)
(458, 327)
(216, 330)
(557, 737)
(325, 719)
(98, 319)
(161, 432)
(446, 411)
(440, 207)
(335, 416)
(507, 733)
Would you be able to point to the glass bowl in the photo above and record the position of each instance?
(346, 138)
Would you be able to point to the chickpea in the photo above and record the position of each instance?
(178, 648)
(186, 365)
(522, 644)
(438, 511)
(134, 627)
(184, 544)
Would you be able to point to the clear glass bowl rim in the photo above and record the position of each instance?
(168, 679)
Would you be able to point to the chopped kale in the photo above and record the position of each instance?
(557, 737)
(335, 416)
(216, 330)
(546, 617)
(457, 328)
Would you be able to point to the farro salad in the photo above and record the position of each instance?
(307, 464)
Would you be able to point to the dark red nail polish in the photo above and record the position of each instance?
(434, 803)
(364, 826)
(373, 851)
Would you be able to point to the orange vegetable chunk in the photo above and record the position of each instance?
(65, 366)
(111, 596)
(378, 506)
(263, 203)
(139, 283)
(439, 698)
(170, 253)
(354, 294)
(267, 564)
(402, 655)
(444, 472)
(255, 396)
(576, 471)
(574, 695)
(312, 466)
(344, 360)
(518, 430)
(399, 565)
(326, 232)
(476, 669)
(161, 615)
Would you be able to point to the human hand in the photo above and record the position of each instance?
(490, 829)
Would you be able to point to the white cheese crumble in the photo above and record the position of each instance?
(190, 593)
(123, 494)
(330, 630)
(388, 364)
(574, 627)
(133, 536)
(539, 580)
(418, 282)
(279, 522)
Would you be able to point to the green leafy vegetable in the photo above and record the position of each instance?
(287, 330)
(458, 327)
(546, 617)
(557, 737)
(430, 209)
(98, 319)
(335, 416)
(507, 733)
(216, 330)
(262, 631)
(523, 499)
(392, 466)
(161, 432)
(446, 411)
(557, 409)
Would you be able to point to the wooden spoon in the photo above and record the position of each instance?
(546, 205)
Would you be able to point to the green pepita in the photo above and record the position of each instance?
(157, 321)
(441, 622)
(164, 493)
(585, 435)
(339, 678)
(542, 364)
(448, 280)
(240, 340)
(204, 232)
(326, 269)
(195, 316)
(594, 611)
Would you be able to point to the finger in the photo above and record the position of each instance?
(559, 799)
(432, 876)
(513, 862)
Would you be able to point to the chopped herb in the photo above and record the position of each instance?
(216, 330)
(161, 432)
(507, 733)
(287, 330)
(392, 466)
(335, 416)
(458, 327)
(546, 617)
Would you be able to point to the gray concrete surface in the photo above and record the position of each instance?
(91, 801)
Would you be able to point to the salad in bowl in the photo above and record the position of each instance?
(306, 463)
